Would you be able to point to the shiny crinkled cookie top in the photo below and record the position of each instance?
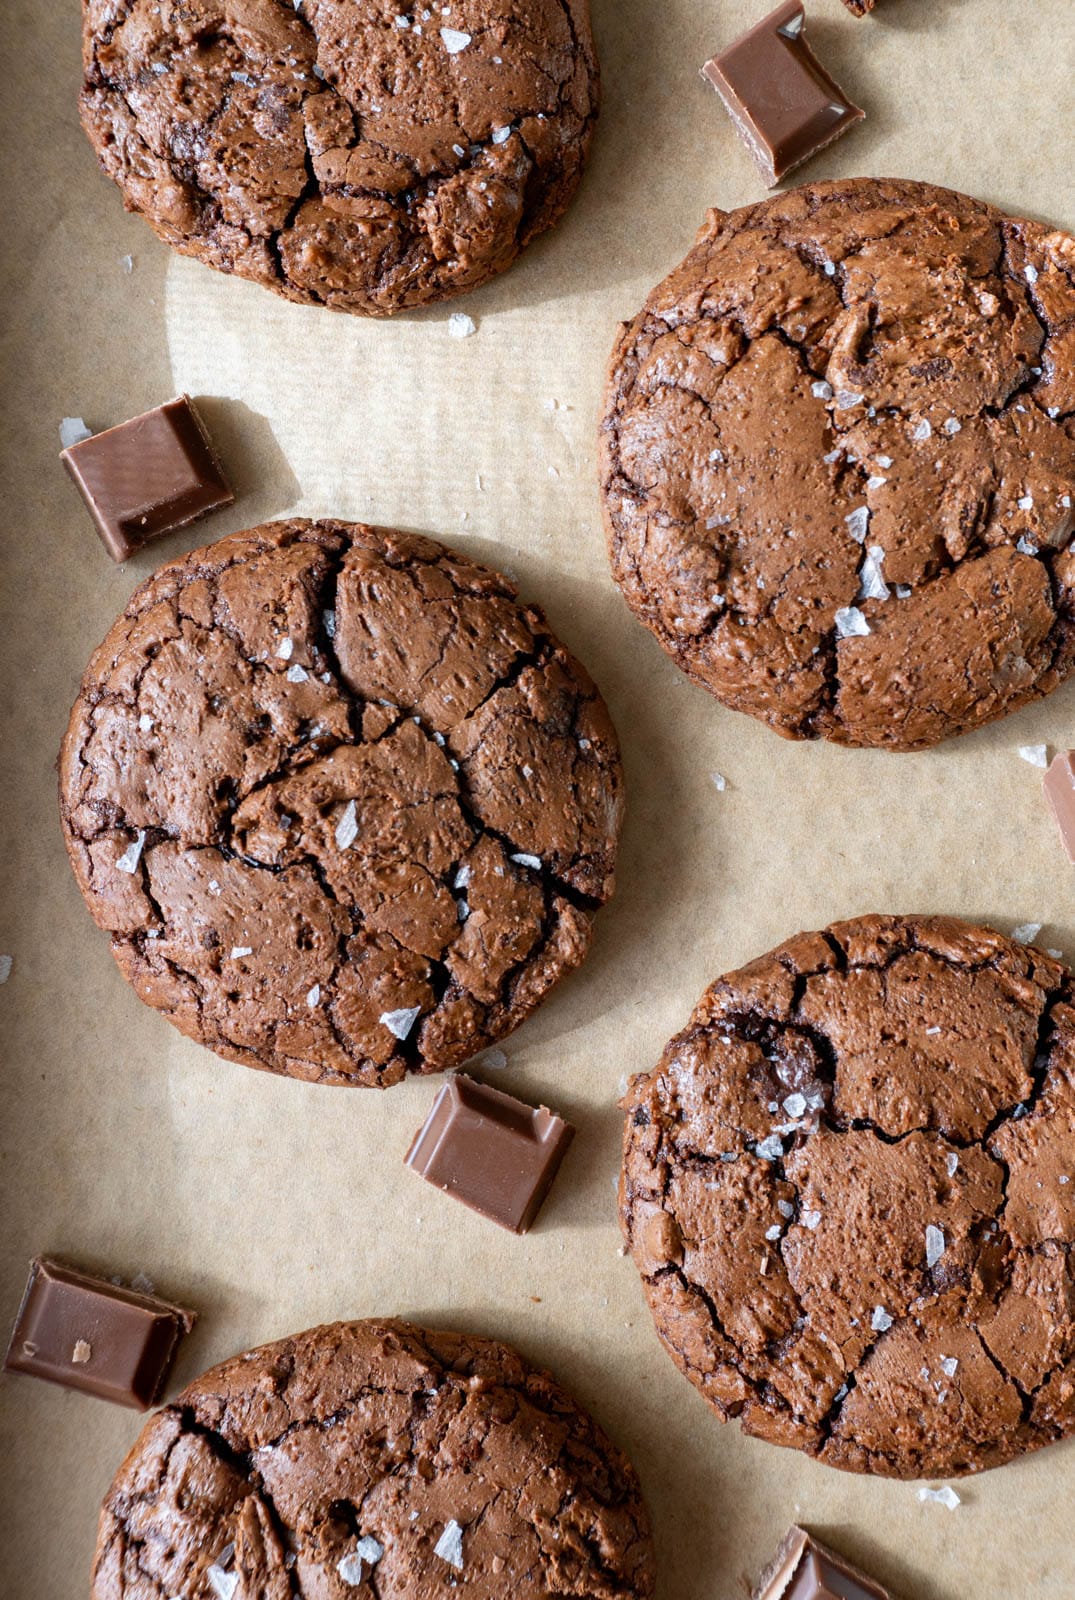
(359, 154)
(838, 462)
(345, 806)
(849, 1187)
(374, 1459)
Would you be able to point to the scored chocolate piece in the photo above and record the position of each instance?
(493, 1152)
(86, 1333)
(1059, 786)
(784, 104)
(148, 476)
(804, 1569)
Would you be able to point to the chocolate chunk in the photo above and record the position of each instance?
(1059, 786)
(148, 476)
(803, 1569)
(89, 1334)
(784, 104)
(493, 1152)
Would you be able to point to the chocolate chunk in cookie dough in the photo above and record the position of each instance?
(379, 1458)
(148, 476)
(804, 1569)
(849, 1187)
(345, 806)
(90, 1334)
(1059, 784)
(838, 461)
(357, 154)
(493, 1152)
(784, 104)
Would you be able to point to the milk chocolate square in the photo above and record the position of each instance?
(494, 1153)
(148, 476)
(1059, 785)
(805, 1569)
(86, 1333)
(784, 104)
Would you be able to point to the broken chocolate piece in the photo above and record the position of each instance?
(148, 476)
(493, 1152)
(784, 104)
(803, 1569)
(1059, 786)
(86, 1333)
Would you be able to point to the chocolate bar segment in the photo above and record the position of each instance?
(804, 1569)
(493, 1152)
(148, 476)
(1059, 786)
(784, 104)
(86, 1333)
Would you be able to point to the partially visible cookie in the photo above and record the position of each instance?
(345, 806)
(860, 7)
(374, 1458)
(355, 154)
(838, 462)
(849, 1186)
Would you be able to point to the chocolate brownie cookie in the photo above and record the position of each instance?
(849, 1186)
(348, 153)
(838, 462)
(374, 1458)
(860, 7)
(344, 805)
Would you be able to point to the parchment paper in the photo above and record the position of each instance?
(271, 1205)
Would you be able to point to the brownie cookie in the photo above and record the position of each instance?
(378, 1458)
(346, 153)
(860, 7)
(838, 462)
(344, 805)
(849, 1187)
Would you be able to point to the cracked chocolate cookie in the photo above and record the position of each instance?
(838, 462)
(374, 1458)
(348, 153)
(345, 806)
(849, 1186)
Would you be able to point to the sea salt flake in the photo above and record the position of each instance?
(811, 1219)
(82, 1352)
(297, 674)
(454, 41)
(1025, 546)
(1026, 932)
(223, 1584)
(1037, 755)
(72, 431)
(785, 1208)
(858, 523)
(128, 861)
(1030, 273)
(402, 1021)
(142, 1283)
(450, 1546)
(6, 963)
(496, 1061)
(821, 390)
(240, 950)
(795, 1105)
(347, 827)
(1025, 502)
(935, 1245)
(771, 1149)
(880, 1322)
(501, 135)
(719, 781)
(314, 996)
(872, 585)
(460, 326)
(127, 263)
(876, 481)
(884, 461)
(903, 591)
(145, 722)
(329, 620)
(953, 426)
(922, 431)
(846, 398)
(942, 1497)
(833, 455)
(931, 1031)
(850, 623)
(774, 1232)
(949, 1366)
(523, 860)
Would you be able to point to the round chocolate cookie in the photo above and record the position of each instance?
(345, 806)
(838, 462)
(849, 1187)
(346, 153)
(374, 1458)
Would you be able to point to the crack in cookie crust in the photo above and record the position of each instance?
(336, 150)
(291, 1453)
(849, 1186)
(351, 777)
(859, 387)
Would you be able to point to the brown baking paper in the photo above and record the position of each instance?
(270, 1205)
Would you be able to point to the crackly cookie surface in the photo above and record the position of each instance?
(345, 806)
(374, 1458)
(838, 462)
(849, 1186)
(357, 154)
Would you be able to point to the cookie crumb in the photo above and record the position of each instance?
(82, 1351)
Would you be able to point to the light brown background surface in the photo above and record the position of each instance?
(271, 1205)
